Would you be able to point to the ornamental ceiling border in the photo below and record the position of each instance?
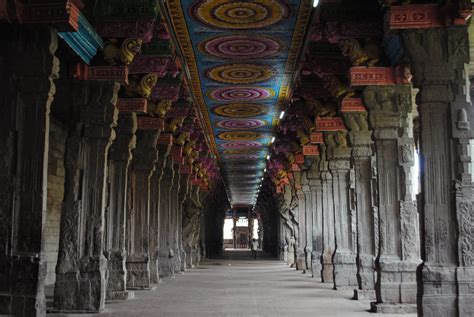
(181, 32)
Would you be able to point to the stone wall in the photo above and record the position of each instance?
(55, 196)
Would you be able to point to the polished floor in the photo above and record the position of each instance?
(243, 287)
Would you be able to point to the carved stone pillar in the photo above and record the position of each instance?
(316, 196)
(300, 211)
(446, 277)
(156, 211)
(143, 167)
(82, 267)
(328, 221)
(367, 213)
(165, 252)
(398, 254)
(308, 224)
(182, 195)
(27, 94)
(344, 258)
(116, 214)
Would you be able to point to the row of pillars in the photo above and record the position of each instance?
(354, 220)
(128, 217)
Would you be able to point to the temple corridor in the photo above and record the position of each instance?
(241, 287)
(148, 147)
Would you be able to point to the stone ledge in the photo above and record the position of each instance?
(392, 308)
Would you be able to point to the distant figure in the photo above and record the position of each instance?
(254, 248)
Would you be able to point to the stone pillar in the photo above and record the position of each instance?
(398, 255)
(182, 195)
(328, 220)
(365, 190)
(165, 253)
(156, 212)
(300, 211)
(316, 194)
(119, 158)
(81, 270)
(27, 94)
(234, 236)
(308, 224)
(446, 277)
(143, 167)
(344, 258)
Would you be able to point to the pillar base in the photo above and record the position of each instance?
(82, 291)
(366, 272)
(301, 261)
(183, 261)
(439, 291)
(327, 273)
(397, 281)
(154, 272)
(316, 266)
(116, 282)
(138, 272)
(345, 270)
(392, 308)
(364, 294)
(166, 265)
(120, 295)
(22, 286)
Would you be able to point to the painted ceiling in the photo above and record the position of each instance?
(241, 57)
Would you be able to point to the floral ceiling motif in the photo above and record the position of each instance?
(241, 57)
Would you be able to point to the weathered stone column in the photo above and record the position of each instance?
(308, 224)
(182, 195)
(367, 213)
(119, 160)
(27, 94)
(328, 220)
(156, 212)
(446, 278)
(165, 253)
(300, 215)
(82, 267)
(344, 259)
(316, 194)
(398, 255)
(143, 167)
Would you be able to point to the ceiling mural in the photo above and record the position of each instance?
(241, 58)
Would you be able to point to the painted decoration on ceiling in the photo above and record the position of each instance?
(241, 56)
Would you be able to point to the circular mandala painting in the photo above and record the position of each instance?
(238, 145)
(241, 73)
(253, 14)
(240, 110)
(240, 136)
(241, 124)
(241, 94)
(240, 47)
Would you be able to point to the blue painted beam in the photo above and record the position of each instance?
(85, 42)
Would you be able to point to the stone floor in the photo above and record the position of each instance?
(229, 287)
